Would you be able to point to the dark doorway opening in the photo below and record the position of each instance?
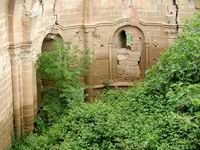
(122, 39)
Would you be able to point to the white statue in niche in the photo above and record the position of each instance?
(35, 10)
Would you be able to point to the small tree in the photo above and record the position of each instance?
(63, 66)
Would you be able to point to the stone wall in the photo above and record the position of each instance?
(6, 103)
(93, 24)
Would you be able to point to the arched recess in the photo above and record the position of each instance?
(47, 46)
(22, 34)
(129, 54)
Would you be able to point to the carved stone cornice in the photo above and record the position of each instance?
(116, 22)
(26, 46)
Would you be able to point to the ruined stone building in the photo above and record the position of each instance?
(126, 37)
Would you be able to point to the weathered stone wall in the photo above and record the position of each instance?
(6, 103)
(24, 24)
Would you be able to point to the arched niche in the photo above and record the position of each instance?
(47, 46)
(128, 54)
(48, 42)
(125, 39)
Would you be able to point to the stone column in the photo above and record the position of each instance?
(114, 62)
(172, 38)
(17, 92)
(88, 44)
(171, 33)
(36, 82)
(110, 48)
(89, 77)
(36, 89)
(27, 86)
(147, 55)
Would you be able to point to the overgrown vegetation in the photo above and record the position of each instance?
(64, 66)
(162, 113)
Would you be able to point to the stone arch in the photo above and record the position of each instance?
(23, 33)
(48, 41)
(9, 105)
(22, 52)
(46, 46)
(128, 54)
(21, 70)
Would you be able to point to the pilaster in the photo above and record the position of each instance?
(27, 86)
(17, 91)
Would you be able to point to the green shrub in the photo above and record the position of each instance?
(61, 67)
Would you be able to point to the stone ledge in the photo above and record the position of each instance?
(141, 22)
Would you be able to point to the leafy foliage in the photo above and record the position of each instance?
(161, 113)
(61, 68)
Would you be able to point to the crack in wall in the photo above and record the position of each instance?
(177, 14)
